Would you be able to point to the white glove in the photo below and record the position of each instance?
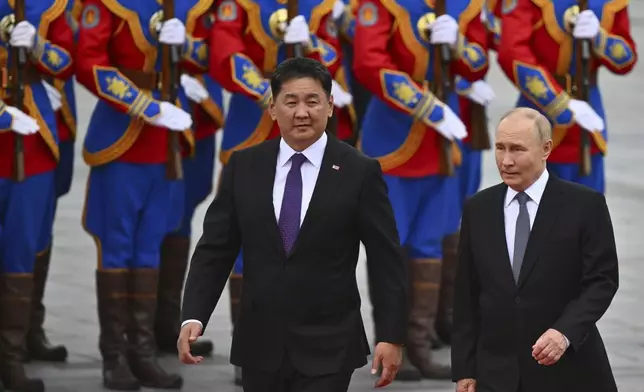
(338, 9)
(297, 32)
(586, 25)
(173, 118)
(341, 98)
(54, 96)
(173, 32)
(586, 116)
(481, 93)
(23, 35)
(22, 124)
(194, 89)
(444, 30)
(451, 127)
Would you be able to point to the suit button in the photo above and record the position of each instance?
(517, 300)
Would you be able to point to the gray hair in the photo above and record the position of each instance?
(542, 126)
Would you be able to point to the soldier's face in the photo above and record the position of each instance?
(302, 110)
(520, 154)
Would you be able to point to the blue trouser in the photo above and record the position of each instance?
(198, 173)
(129, 210)
(26, 208)
(570, 172)
(470, 171)
(419, 206)
(65, 169)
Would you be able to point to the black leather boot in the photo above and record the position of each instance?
(38, 346)
(142, 291)
(111, 289)
(15, 296)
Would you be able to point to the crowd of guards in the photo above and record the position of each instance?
(409, 91)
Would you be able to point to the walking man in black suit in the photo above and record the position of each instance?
(537, 270)
(300, 206)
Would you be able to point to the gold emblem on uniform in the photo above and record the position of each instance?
(617, 51)
(155, 23)
(53, 58)
(278, 22)
(405, 93)
(6, 24)
(570, 18)
(536, 87)
(252, 78)
(424, 24)
(118, 88)
(202, 52)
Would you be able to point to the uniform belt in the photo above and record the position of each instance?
(569, 83)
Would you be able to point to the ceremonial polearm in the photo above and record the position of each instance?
(169, 89)
(18, 64)
(582, 76)
(443, 87)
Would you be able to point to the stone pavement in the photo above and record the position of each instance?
(72, 318)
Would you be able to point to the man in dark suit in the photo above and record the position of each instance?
(537, 270)
(300, 327)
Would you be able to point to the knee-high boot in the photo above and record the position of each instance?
(142, 303)
(111, 290)
(425, 275)
(38, 346)
(15, 296)
(444, 320)
(235, 283)
(175, 251)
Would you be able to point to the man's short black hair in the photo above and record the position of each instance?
(300, 68)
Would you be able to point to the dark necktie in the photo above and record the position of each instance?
(522, 234)
(289, 220)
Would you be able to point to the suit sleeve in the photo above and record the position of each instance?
(94, 69)
(522, 67)
(229, 65)
(54, 54)
(214, 254)
(600, 275)
(386, 270)
(616, 48)
(472, 51)
(465, 331)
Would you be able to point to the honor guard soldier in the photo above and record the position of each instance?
(414, 135)
(247, 44)
(473, 98)
(553, 55)
(132, 193)
(63, 100)
(205, 104)
(38, 34)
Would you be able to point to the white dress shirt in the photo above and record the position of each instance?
(310, 170)
(511, 210)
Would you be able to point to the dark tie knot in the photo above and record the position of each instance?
(297, 160)
(522, 198)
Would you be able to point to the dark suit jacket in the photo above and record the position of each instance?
(568, 279)
(306, 302)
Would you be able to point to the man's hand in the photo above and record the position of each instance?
(390, 357)
(549, 347)
(189, 334)
(466, 385)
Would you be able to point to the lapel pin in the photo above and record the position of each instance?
(335, 167)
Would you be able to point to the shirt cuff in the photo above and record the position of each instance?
(183, 324)
(567, 341)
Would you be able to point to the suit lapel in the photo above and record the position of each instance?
(326, 186)
(499, 242)
(547, 215)
(264, 167)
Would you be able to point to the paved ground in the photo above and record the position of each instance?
(72, 317)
